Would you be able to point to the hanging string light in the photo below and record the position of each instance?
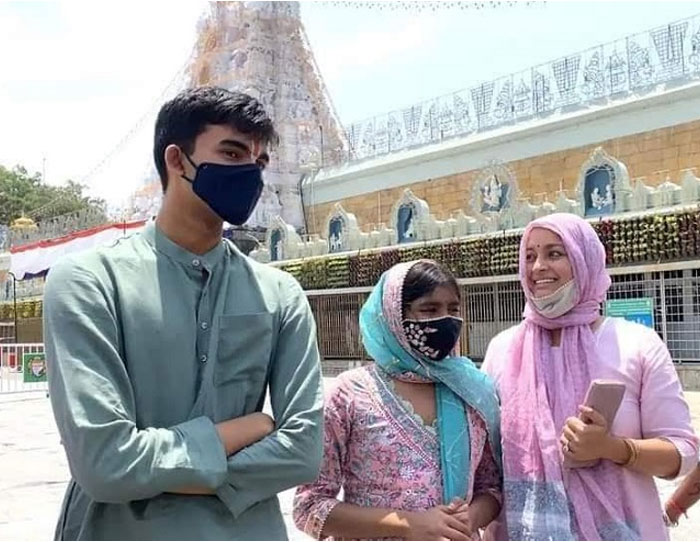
(420, 5)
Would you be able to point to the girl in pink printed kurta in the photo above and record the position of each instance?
(378, 449)
(543, 368)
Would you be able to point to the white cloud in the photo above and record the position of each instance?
(78, 78)
(378, 47)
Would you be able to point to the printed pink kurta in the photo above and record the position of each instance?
(381, 454)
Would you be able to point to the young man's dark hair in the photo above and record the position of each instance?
(187, 115)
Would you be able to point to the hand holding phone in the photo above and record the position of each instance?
(605, 397)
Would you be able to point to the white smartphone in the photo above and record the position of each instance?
(605, 397)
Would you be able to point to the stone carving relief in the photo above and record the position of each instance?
(495, 189)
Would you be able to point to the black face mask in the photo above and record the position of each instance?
(434, 338)
(231, 191)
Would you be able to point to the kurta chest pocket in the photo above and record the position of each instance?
(244, 347)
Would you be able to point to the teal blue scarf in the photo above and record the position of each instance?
(457, 381)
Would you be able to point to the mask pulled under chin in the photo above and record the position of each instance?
(557, 303)
(434, 338)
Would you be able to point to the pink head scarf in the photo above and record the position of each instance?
(587, 257)
(539, 395)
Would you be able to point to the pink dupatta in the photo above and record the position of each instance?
(543, 500)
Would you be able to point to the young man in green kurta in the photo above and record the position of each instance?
(161, 349)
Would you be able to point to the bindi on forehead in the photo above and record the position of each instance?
(538, 246)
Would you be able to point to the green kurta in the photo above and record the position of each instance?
(148, 346)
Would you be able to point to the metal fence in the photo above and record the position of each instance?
(489, 306)
(337, 321)
(492, 305)
(7, 332)
(58, 226)
(629, 66)
(11, 370)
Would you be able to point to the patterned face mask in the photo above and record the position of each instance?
(434, 338)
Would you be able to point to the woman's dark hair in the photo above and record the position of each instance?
(422, 279)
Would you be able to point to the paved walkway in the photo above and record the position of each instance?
(34, 472)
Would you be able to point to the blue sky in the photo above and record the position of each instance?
(78, 77)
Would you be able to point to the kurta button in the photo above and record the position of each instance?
(203, 358)
(204, 325)
(195, 263)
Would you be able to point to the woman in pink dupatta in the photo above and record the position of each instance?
(543, 368)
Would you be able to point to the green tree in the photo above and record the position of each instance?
(24, 193)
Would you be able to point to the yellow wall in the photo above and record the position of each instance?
(653, 155)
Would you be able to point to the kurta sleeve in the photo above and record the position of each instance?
(110, 457)
(292, 454)
(664, 411)
(314, 502)
(496, 357)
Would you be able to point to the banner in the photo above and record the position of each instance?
(38, 257)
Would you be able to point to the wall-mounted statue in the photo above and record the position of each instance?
(604, 185)
(336, 234)
(405, 223)
(275, 245)
(407, 215)
(494, 190)
(282, 240)
(342, 230)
